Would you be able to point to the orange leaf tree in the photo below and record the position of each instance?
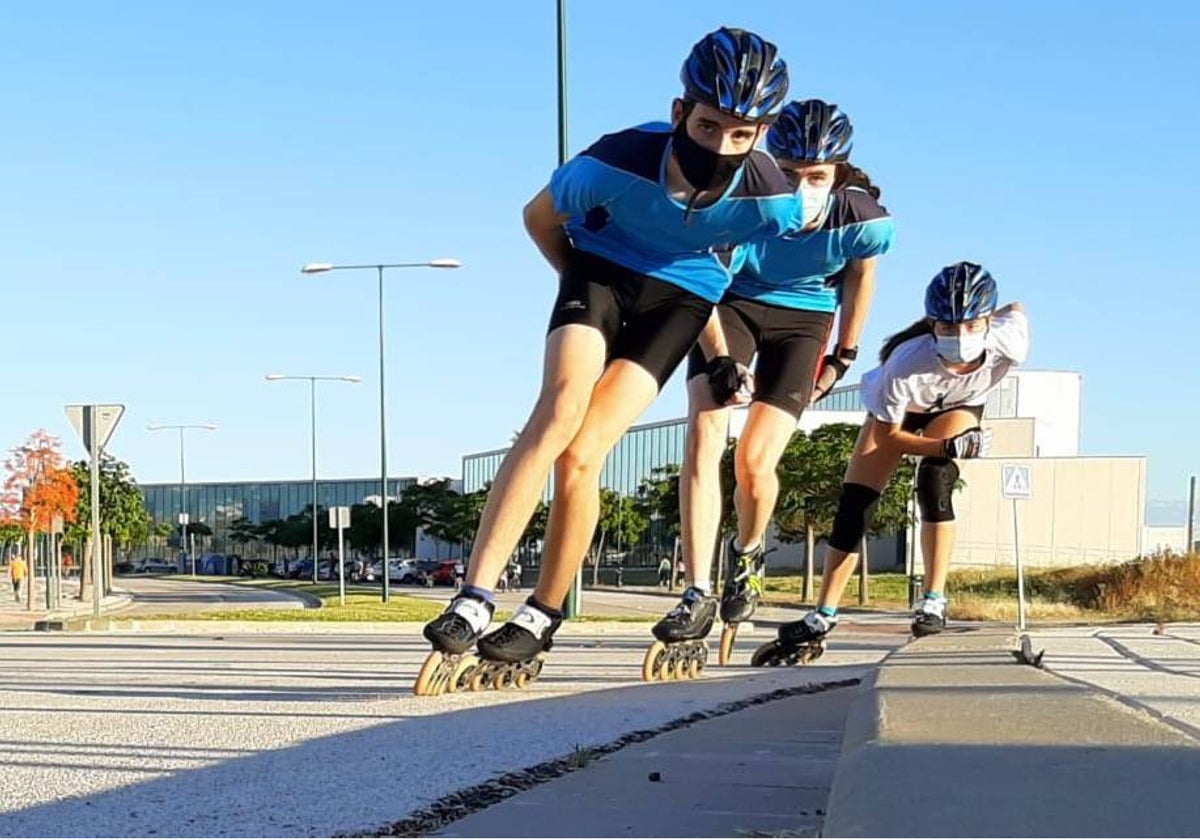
(39, 485)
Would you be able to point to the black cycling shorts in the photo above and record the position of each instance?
(790, 344)
(648, 321)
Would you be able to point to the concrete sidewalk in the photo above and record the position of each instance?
(14, 615)
(951, 736)
(956, 739)
(758, 772)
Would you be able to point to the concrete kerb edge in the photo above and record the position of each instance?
(865, 722)
(205, 627)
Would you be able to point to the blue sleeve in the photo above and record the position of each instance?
(581, 184)
(869, 239)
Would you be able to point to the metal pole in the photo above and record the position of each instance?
(312, 381)
(562, 82)
(341, 560)
(97, 572)
(1191, 520)
(572, 606)
(383, 465)
(187, 541)
(1020, 572)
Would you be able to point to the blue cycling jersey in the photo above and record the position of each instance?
(615, 193)
(795, 270)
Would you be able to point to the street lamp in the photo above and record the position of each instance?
(312, 382)
(318, 268)
(184, 530)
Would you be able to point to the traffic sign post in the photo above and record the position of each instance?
(1016, 484)
(95, 424)
(339, 519)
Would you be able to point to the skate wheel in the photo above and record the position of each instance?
(430, 680)
(653, 661)
(478, 679)
(461, 677)
(765, 656)
(680, 670)
(725, 652)
(521, 680)
(503, 680)
(695, 668)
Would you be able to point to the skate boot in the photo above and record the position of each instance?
(452, 634)
(743, 584)
(798, 643)
(929, 617)
(739, 598)
(681, 651)
(514, 654)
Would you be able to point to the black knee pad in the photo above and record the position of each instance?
(855, 508)
(935, 489)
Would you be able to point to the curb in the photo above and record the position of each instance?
(202, 627)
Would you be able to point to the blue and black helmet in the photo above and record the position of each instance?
(736, 72)
(961, 292)
(811, 131)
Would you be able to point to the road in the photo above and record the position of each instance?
(312, 734)
(159, 596)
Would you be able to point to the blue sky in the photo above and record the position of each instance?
(165, 171)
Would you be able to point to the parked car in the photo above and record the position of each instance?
(154, 566)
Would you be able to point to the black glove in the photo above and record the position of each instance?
(832, 371)
(725, 377)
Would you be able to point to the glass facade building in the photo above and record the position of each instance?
(218, 505)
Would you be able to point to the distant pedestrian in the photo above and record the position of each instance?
(16, 573)
(664, 573)
(679, 572)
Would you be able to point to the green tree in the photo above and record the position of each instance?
(658, 499)
(622, 522)
(811, 472)
(432, 506)
(242, 532)
(123, 513)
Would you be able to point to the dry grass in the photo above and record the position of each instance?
(1162, 587)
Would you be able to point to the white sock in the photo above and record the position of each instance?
(703, 584)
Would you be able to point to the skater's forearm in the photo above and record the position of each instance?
(545, 227)
(858, 290)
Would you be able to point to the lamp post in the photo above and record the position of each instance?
(320, 268)
(184, 530)
(312, 382)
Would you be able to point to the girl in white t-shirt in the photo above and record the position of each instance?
(926, 398)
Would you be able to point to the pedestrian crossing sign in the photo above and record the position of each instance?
(1016, 482)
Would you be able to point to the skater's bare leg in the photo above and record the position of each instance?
(574, 361)
(874, 460)
(700, 479)
(761, 445)
(624, 391)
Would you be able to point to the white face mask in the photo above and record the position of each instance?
(958, 349)
(816, 199)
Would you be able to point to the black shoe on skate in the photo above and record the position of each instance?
(929, 618)
(529, 632)
(814, 627)
(459, 627)
(798, 643)
(743, 585)
(691, 619)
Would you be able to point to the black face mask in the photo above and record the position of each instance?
(704, 168)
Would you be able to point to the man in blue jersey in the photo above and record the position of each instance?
(780, 308)
(633, 226)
